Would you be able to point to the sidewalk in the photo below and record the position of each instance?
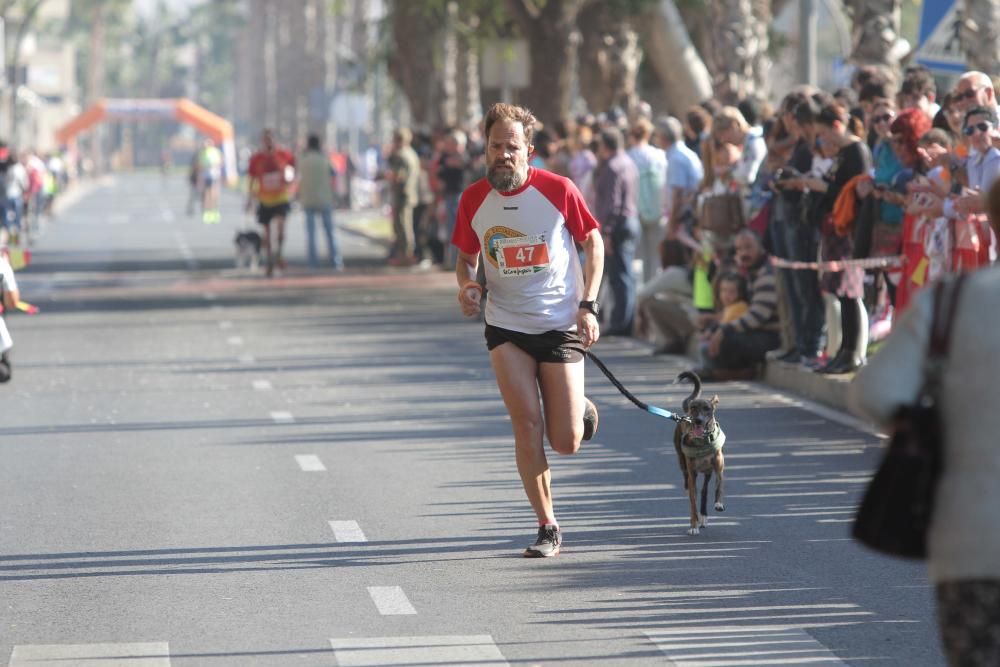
(830, 390)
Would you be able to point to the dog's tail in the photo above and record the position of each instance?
(696, 392)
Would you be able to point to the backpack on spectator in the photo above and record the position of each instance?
(722, 214)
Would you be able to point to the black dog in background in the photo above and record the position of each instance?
(248, 245)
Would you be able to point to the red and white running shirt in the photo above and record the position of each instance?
(533, 271)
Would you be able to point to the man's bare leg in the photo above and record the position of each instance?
(280, 222)
(267, 249)
(517, 378)
(564, 403)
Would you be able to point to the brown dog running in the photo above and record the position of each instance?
(698, 441)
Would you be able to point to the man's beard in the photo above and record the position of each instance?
(505, 180)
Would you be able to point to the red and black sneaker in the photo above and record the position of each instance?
(548, 543)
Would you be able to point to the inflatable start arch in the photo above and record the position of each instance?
(211, 125)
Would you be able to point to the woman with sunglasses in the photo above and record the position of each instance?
(886, 230)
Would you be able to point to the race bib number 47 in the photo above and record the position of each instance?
(522, 255)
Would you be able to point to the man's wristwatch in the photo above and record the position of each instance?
(592, 306)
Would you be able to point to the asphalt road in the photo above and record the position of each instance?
(199, 466)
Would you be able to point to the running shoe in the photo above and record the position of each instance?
(547, 545)
(590, 418)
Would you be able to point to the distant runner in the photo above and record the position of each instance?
(210, 176)
(271, 172)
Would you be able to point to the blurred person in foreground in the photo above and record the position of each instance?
(964, 535)
(541, 311)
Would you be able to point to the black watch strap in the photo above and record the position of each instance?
(592, 306)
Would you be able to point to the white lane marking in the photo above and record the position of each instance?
(391, 601)
(430, 650)
(235, 340)
(282, 417)
(262, 385)
(225, 324)
(185, 251)
(246, 359)
(147, 654)
(719, 646)
(347, 531)
(310, 463)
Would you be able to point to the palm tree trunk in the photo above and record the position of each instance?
(981, 35)
(875, 32)
(609, 57)
(549, 31)
(681, 70)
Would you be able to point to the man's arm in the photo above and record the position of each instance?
(8, 285)
(593, 264)
(11, 297)
(251, 188)
(470, 292)
(593, 270)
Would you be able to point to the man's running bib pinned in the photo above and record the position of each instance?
(522, 255)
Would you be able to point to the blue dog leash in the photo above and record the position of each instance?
(651, 409)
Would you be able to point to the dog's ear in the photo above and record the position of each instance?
(715, 400)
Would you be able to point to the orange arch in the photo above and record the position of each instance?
(212, 125)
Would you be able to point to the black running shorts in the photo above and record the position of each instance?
(554, 347)
(267, 213)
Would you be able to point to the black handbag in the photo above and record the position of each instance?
(896, 509)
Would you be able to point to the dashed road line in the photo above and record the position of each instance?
(185, 251)
(262, 385)
(310, 463)
(347, 531)
(736, 645)
(429, 650)
(235, 340)
(282, 417)
(225, 324)
(391, 601)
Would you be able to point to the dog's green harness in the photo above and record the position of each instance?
(705, 445)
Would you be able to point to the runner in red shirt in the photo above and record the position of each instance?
(271, 172)
(541, 309)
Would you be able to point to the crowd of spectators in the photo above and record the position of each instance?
(29, 183)
(794, 231)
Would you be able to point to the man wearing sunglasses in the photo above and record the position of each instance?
(975, 89)
(982, 169)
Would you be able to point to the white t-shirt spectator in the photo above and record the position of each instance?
(651, 162)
